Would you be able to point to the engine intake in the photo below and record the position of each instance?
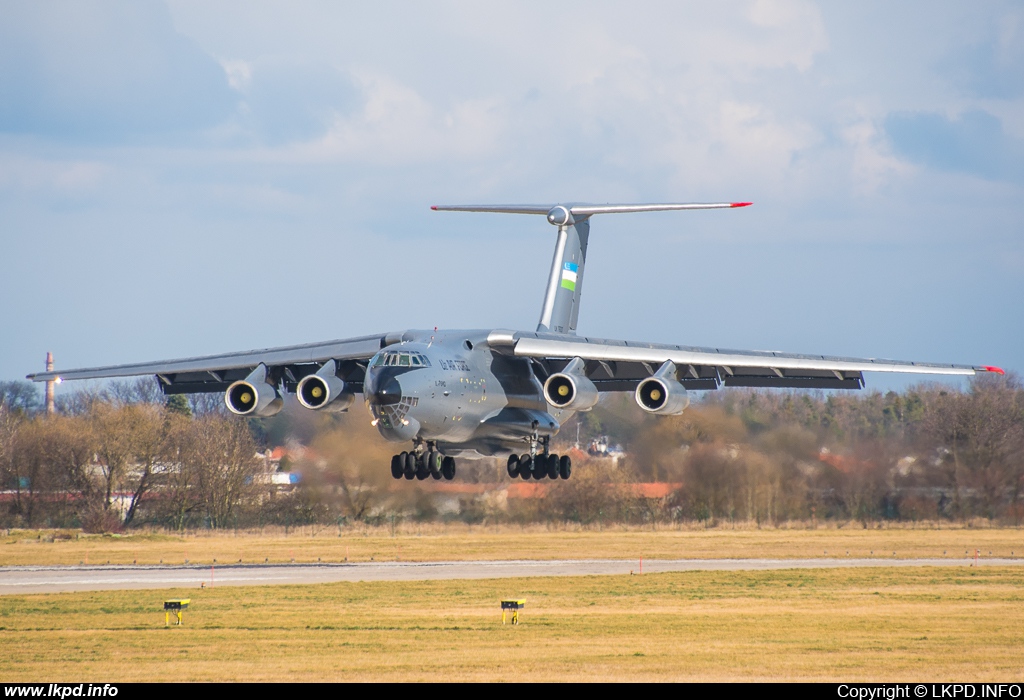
(323, 391)
(254, 395)
(570, 389)
(661, 393)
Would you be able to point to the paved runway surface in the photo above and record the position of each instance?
(54, 579)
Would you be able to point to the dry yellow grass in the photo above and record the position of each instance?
(843, 625)
(435, 542)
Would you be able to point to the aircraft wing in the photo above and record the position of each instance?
(217, 372)
(618, 365)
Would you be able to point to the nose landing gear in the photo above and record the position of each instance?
(421, 463)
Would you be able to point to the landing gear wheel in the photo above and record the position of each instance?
(552, 464)
(540, 467)
(422, 468)
(448, 468)
(565, 467)
(434, 464)
(513, 466)
(397, 466)
(526, 467)
(410, 465)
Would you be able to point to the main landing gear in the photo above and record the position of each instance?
(428, 463)
(542, 466)
(538, 463)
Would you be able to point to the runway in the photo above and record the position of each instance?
(58, 579)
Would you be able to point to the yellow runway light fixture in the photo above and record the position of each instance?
(176, 605)
(514, 606)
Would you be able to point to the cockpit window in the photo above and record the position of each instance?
(401, 359)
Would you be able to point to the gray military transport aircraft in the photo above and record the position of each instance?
(484, 393)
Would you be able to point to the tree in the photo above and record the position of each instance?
(980, 435)
(133, 391)
(221, 456)
(355, 461)
(19, 397)
(178, 404)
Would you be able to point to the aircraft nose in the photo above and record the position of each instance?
(386, 393)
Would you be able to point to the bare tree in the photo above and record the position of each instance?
(125, 392)
(222, 457)
(358, 464)
(980, 436)
(209, 404)
(150, 426)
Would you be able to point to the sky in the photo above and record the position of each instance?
(190, 177)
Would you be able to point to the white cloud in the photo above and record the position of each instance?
(798, 32)
(51, 176)
(239, 73)
(397, 125)
(873, 164)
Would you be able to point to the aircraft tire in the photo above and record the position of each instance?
(422, 467)
(448, 468)
(565, 467)
(540, 467)
(434, 464)
(526, 467)
(397, 467)
(513, 466)
(552, 465)
(410, 465)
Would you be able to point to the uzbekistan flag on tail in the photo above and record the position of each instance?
(569, 271)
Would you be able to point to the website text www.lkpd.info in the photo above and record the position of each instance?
(61, 690)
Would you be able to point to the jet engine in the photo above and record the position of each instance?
(570, 389)
(324, 391)
(254, 395)
(661, 393)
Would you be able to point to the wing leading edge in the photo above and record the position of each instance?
(217, 372)
(616, 365)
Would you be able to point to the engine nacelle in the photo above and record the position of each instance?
(323, 391)
(254, 395)
(662, 394)
(570, 389)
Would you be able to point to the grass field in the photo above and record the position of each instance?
(436, 542)
(866, 624)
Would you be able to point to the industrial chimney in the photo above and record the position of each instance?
(49, 385)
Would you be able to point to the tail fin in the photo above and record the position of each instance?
(561, 308)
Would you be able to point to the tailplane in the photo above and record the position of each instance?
(561, 308)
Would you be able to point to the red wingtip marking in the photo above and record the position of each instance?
(433, 207)
(740, 204)
(994, 369)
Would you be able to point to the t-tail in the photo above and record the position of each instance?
(561, 308)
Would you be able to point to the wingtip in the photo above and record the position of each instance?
(740, 204)
(433, 207)
(997, 370)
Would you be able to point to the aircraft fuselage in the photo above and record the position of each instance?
(450, 388)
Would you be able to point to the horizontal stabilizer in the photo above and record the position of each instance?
(583, 209)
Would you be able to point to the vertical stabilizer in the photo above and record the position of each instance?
(561, 309)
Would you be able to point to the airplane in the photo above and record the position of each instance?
(495, 392)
